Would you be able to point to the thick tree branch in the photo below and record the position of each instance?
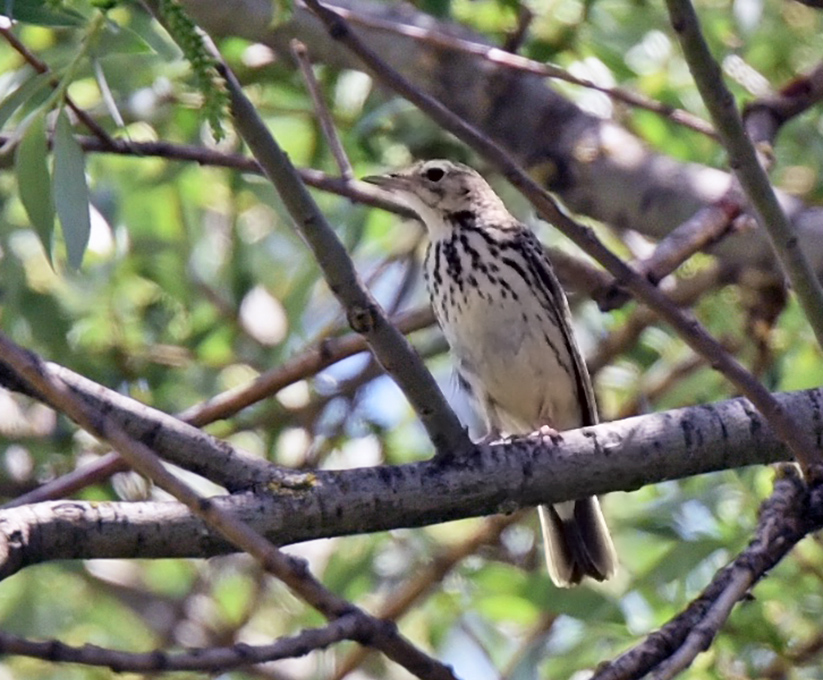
(502, 477)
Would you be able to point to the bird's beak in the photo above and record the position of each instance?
(389, 182)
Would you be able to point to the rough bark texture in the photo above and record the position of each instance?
(623, 455)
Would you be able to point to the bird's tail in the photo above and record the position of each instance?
(577, 542)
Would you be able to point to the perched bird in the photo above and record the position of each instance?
(508, 325)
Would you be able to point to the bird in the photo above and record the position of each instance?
(509, 329)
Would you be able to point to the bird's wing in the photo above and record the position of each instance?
(546, 279)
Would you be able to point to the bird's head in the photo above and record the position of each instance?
(436, 189)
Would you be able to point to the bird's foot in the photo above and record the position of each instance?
(546, 431)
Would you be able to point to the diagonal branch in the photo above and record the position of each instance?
(365, 316)
(764, 117)
(507, 59)
(743, 159)
(786, 517)
(180, 443)
(301, 55)
(307, 363)
(804, 448)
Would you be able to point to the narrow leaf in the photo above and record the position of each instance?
(40, 13)
(71, 194)
(34, 181)
(27, 91)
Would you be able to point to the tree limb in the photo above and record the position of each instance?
(527, 471)
(365, 316)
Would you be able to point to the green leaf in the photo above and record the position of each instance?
(283, 12)
(154, 36)
(41, 13)
(71, 193)
(34, 181)
(119, 40)
(27, 90)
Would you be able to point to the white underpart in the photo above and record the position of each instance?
(513, 371)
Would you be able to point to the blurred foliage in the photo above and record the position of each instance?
(194, 282)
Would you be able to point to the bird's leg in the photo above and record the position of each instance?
(493, 435)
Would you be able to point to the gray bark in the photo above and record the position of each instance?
(618, 456)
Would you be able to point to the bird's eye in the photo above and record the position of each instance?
(434, 174)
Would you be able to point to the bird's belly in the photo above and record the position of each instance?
(516, 362)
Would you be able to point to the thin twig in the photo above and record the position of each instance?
(803, 447)
(654, 387)
(211, 659)
(684, 294)
(364, 314)
(515, 62)
(705, 228)
(309, 362)
(64, 486)
(514, 40)
(701, 635)
(298, 49)
(764, 117)
(743, 159)
(425, 578)
(356, 191)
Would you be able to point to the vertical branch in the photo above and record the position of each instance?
(300, 53)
